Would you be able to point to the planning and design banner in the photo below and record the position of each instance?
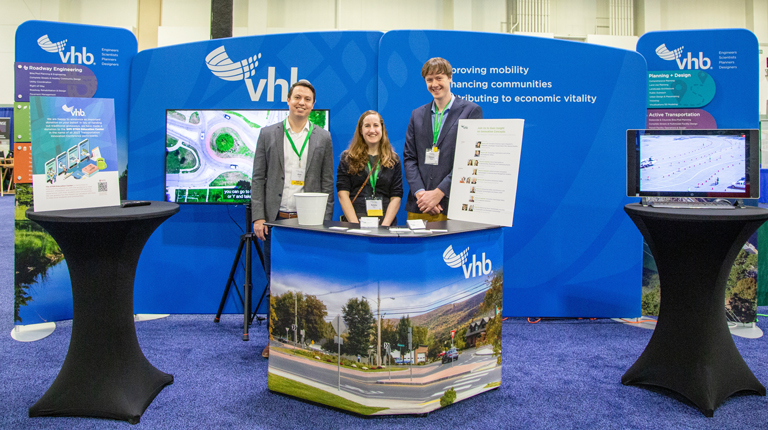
(78, 62)
(74, 153)
(484, 186)
(701, 79)
(572, 251)
(392, 326)
(705, 79)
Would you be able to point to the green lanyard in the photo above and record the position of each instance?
(436, 126)
(374, 177)
(299, 153)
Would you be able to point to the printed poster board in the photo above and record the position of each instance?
(74, 153)
(485, 171)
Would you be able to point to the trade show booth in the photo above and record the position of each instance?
(187, 119)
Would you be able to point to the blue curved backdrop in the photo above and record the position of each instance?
(185, 265)
(572, 251)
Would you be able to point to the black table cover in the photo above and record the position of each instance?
(105, 374)
(692, 351)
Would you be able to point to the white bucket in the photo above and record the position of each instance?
(311, 207)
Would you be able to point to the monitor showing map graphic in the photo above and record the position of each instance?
(693, 163)
(209, 153)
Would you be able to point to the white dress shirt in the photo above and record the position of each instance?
(291, 163)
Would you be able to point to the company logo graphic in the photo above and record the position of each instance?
(72, 56)
(49, 46)
(220, 64)
(475, 268)
(223, 67)
(690, 62)
(666, 54)
(72, 110)
(453, 260)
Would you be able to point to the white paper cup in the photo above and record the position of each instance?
(311, 207)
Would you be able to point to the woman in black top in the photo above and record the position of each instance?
(370, 152)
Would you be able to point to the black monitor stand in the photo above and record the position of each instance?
(247, 240)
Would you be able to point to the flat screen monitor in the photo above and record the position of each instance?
(209, 153)
(693, 163)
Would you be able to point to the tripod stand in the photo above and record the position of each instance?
(247, 240)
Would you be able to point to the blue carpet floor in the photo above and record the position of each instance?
(558, 374)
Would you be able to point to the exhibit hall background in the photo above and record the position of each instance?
(185, 21)
(169, 22)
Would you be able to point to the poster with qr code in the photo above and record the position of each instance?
(74, 153)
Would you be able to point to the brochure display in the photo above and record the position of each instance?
(399, 323)
(74, 153)
(485, 171)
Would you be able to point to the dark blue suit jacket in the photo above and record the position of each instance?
(419, 137)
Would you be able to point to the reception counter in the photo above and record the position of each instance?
(432, 298)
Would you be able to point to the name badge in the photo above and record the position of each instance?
(433, 156)
(374, 206)
(297, 177)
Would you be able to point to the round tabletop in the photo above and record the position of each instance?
(747, 213)
(107, 213)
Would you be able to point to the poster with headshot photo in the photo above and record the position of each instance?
(492, 188)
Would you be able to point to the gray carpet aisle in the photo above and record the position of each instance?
(557, 374)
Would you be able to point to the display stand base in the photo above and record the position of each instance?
(149, 317)
(748, 330)
(32, 332)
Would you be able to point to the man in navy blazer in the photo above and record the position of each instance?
(430, 143)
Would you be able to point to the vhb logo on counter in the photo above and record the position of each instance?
(73, 110)
(223, 67)
(690, 63)
(474, 269)
(72, 56)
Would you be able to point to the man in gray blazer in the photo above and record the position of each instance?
(292, 156)
(430, 143)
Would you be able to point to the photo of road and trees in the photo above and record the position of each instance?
(374, 350)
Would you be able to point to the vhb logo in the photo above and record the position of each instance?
(691, 63)
(72, 56)
(73, 110)
(220, 65)
(475, 268)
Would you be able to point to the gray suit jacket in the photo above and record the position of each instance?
(269, 174)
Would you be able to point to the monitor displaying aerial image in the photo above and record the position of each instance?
(694, 163)
(209, 153)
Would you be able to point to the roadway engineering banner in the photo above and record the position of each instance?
(71, 63)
